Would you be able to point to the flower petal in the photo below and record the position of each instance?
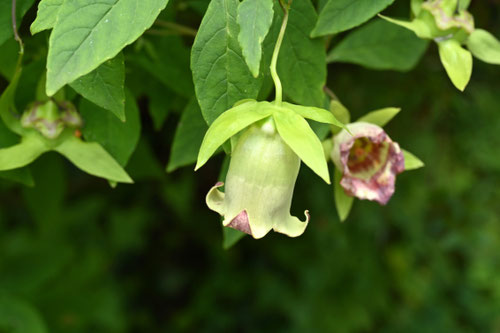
(291, 226)
(215, 199)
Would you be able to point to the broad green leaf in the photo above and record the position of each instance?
(46, 15)
(89, 32)
(105, 86)
(93, 159)
(343, 202)
(380, 45)
(254, 19)
(23, 153)
(419, 27)
(380, 117)
(7, 108)
(457, 61)
(22, 7)
(316, 114)
(341, 15)
(484, 46)
(117, 137)
(188, 137)
(220, 73)
(299, 136)
(412, 162)
(302, 60)
(230, 237)
(228, 124)
(16, 316)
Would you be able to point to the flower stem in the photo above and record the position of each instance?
(274, 60)
(14, 28)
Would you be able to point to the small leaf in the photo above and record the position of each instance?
(316, 114)
(484, 46)
(117, 137)
(457, 61)
(46, 15)
(341, 15)
(343, 202)
(380, 45)
(104, 86)
(220, 73)
(299, 136)
(188, 137)
(254, 18)
(93, 159)
(419, 27)
(380, 117)
(23, 153)
(228, 124)
(411, 161)
(340, 112)
(87, 33)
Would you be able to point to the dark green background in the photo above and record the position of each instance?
(83, 257)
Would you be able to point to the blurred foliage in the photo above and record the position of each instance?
(79, 256)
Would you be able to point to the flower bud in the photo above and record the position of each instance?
(369, 161)
(51, 119)
(259, 185)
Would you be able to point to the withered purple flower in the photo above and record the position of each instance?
(369, 161)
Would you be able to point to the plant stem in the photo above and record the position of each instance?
(14, 28)
(274, 60)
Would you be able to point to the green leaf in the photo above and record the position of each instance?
(419, 27)
(254, 18)
(380, 45)
(220, 73)
(23, 153)
(7, 107)
(316, 114)
(87, 33)
(93, 159)
(230, 123)
(343, 202)
(46, 15)
(457, 61)
(463, 4)
(341, 15)
(117, 137)
(484, 46)
(412, 162)
(380, 117)
(302, 60)
(104, 86)
(188, 137)
(17, 316)
(230, 237)
(9, 53)
(340, 112)
(167, 59)
(299, 136)
(22, 7)
(21, 175)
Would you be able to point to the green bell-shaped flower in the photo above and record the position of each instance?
(259, 185)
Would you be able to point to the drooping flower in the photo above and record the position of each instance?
(259, 185)
(369, 161)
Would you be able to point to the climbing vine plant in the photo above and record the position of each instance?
(79, 75)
